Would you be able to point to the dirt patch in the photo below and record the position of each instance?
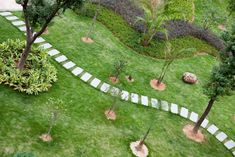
(114, 79)
(143, 152)
(46, 138)
(110, 114)
(130, 79)
(156, 86)
(87, 40)
(188, 131)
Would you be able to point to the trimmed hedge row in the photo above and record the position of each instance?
(130, 37)
(176, 28)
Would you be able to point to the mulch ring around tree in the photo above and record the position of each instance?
(110, 114)
(188, 131)
(154, 84)
(46, 138)
(87, 40)
(114, 79)
(143, 152)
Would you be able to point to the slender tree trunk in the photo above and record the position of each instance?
(139, 147)
(24, 55)
(204, 115)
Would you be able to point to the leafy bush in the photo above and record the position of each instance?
(38, 74)
(180, 9)
(129, 36)
(127, 10)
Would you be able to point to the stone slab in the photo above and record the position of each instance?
(229, 144)
(85, 77)
(124, 95)
(39, 40)
(5, 13)
(205, 123)
(61, 59)
(105, 87)
(69, 65)
(221, 136)
(114, 91)
(233, 153)
(53, 52)
(144, 100)
(134, 98)
(18, 23)
(22, 28)
(12, 18)
(174, 108)
(154, 103)
(212, 129)
(45, 46)
(95, 82)
(193, 117)
(77, 71)
(164, 105)
(184, 112)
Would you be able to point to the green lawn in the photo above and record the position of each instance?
(82, 129)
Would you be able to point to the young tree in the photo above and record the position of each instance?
(222, 80)
(118, 68)
(39, 13)
(153, 19)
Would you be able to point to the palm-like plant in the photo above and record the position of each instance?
(153, 19)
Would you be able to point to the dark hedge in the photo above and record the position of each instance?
(176, 28)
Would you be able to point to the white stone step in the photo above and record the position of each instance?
(77, 71)
(5, 13)
(85, 77)
(39, 40)
(18, 23)
(174, 108)
(61, 58)
(164, 105)
(221, 136)
(212, 129)
(45, 46)
(134, 98)
(95, 82)
(194, 117)
(144, 100)
(53, 52)
(184, 112)
(69, 65)
(155, 103)
(12, 18)
(105, 87)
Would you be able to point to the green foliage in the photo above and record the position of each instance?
(24, 154)
(222, 80)
(231, 6)
(130, 37)
(118, 68)
(38, 74)
(180, 9)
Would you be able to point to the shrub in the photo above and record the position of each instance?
(38, 74)
(130, 37)
(176, 27)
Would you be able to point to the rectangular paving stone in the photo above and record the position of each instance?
(205, 123)
(125, 95)
(22, 28)
(11, 18)
(95, 82)
(77, 71)
(184, 112)
(53, 52)
(114, 91)
(85, 77)
(234, 153)
(18, 23)
(134, 98)
(5, 13)
(174, 108)
(61, 58)
(194, 117)
(164, 105)
(229, 144)
(212, 129)
(144, 100)
(105, 87)
(154, 103)
(221, 136)
(39, 40)
(69, 65)
(45, 46)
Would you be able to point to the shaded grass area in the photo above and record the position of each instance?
(81, 129)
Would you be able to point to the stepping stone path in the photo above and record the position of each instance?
(77, 71)
(183, 112)
(114, 91)
(174, 108)
(155, 103)
(144, 100)
(69, 65)
(85, 77)
(95, 82)
(212, 129)
(53, 52)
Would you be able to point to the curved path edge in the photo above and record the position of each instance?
(123, 94)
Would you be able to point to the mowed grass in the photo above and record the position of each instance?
(98, 58)
(81, 129)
